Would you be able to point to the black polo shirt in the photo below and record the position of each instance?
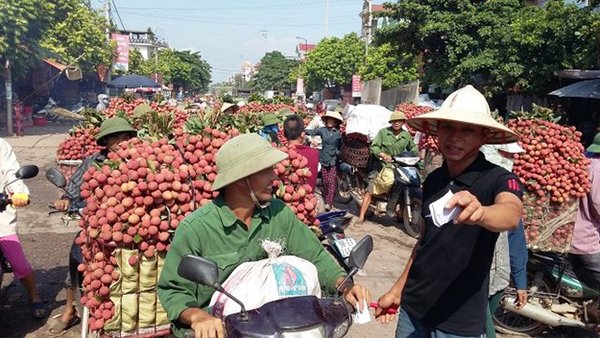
(447, 286)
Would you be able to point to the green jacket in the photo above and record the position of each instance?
(214, 232)
(385, 141)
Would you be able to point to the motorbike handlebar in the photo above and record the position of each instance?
(5, 201)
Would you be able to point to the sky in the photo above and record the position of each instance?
(229, 32)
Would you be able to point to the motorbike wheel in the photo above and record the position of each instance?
(508, 322)
(413, 228)
(343, 187)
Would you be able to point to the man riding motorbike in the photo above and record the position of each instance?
(229, 231)
(112, 132)
(389, 142)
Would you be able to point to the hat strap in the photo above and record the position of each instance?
(253, 196)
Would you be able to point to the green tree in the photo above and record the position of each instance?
(22, 23)
(181, 68)
(78, 35)
(392, 67)
(274, 72)
(544, 41)
(496, 45)
(136, 61)
(333, 62)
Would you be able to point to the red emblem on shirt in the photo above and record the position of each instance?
(513, 184)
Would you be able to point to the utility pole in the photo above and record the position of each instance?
(8, 87)
(326, 16)
(369, 28)
(107, 15)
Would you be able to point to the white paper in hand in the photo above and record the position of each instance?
(440, 214)
(361, 317)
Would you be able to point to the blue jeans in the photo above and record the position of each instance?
(410, 327)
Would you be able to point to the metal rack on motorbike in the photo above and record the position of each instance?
(137, 311)
(557, 297)
(353, 180)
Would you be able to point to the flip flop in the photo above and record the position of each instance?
(58, 327)
(39, 310)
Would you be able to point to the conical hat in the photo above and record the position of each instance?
(466, 105)
(334, 115)
(243, 156)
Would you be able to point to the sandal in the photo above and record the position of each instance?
(39, 310)
(58, 327)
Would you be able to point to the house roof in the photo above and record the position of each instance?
(578, 74)
(378, 9)
(56, 65)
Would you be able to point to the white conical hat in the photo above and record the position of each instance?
(466, 105)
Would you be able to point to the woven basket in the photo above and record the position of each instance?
(355, 152)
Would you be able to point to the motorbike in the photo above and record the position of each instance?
(352, 185)
(73, 213)
(52, 111)
(333, 237)
(556, 298)
(47, 111)
(302, 316)
(25, 172)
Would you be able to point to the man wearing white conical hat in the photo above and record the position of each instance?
(443, 290)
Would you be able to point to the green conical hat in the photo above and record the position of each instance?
(595, 146)
(243, 156)
(112, 126)
(269, 119)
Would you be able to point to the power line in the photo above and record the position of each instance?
(118, 15)
(232, 23)
(190, 9)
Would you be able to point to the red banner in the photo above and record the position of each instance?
(121, 61)
(356, 86)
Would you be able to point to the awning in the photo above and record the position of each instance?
(588, 89)
(56, 65)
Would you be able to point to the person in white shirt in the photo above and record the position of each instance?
(10, 245)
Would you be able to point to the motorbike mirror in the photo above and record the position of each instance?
(56, 177)
(360, 252)
(199, 270)
(27, 171)
(357, 259)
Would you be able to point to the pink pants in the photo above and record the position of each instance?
(13, 252)
(329, 176)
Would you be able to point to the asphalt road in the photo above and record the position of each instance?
(46, 241)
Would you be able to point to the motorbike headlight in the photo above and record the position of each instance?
(315, 332)
(342, 329)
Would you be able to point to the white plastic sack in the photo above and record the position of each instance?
(367, 119)
(257, 283)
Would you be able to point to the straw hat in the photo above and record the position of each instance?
(466, 105)
(226, 106)
(243, 156)
(397, 116)
(595, 146)
(112, 126)
(333, 115)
